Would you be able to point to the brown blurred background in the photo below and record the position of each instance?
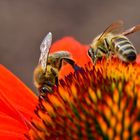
(24, 23)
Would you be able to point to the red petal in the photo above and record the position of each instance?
(8, 135)
(77, 50)
(11, 128)
(16, 93)
(138, 59)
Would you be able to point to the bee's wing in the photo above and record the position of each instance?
(131, 30)
(45, 48)
(114, 27)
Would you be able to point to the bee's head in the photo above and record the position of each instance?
(44, 90)
(94, 55)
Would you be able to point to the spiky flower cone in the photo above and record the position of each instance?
(97, 102)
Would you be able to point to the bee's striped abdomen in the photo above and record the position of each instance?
(124, 48)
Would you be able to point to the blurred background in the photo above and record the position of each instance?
(24, 23)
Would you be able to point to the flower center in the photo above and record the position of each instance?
(97, 102)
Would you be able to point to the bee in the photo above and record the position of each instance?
(114, 42)
(47, 71)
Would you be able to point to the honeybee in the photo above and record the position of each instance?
(47, 71)
(114, 42)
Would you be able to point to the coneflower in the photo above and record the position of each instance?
(99, 102)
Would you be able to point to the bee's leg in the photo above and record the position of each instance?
(91, 52)
(71, 62)
(100, 51)
(54, 72)
(108, 51)
(56, 81)
(95, 56)
(55, 75)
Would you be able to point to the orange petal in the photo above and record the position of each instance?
(77, 50)
(11, 128)
(16, 93)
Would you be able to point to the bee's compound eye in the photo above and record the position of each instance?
(43, 89)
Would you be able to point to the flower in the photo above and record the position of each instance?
(17, 104)
(96, 102)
